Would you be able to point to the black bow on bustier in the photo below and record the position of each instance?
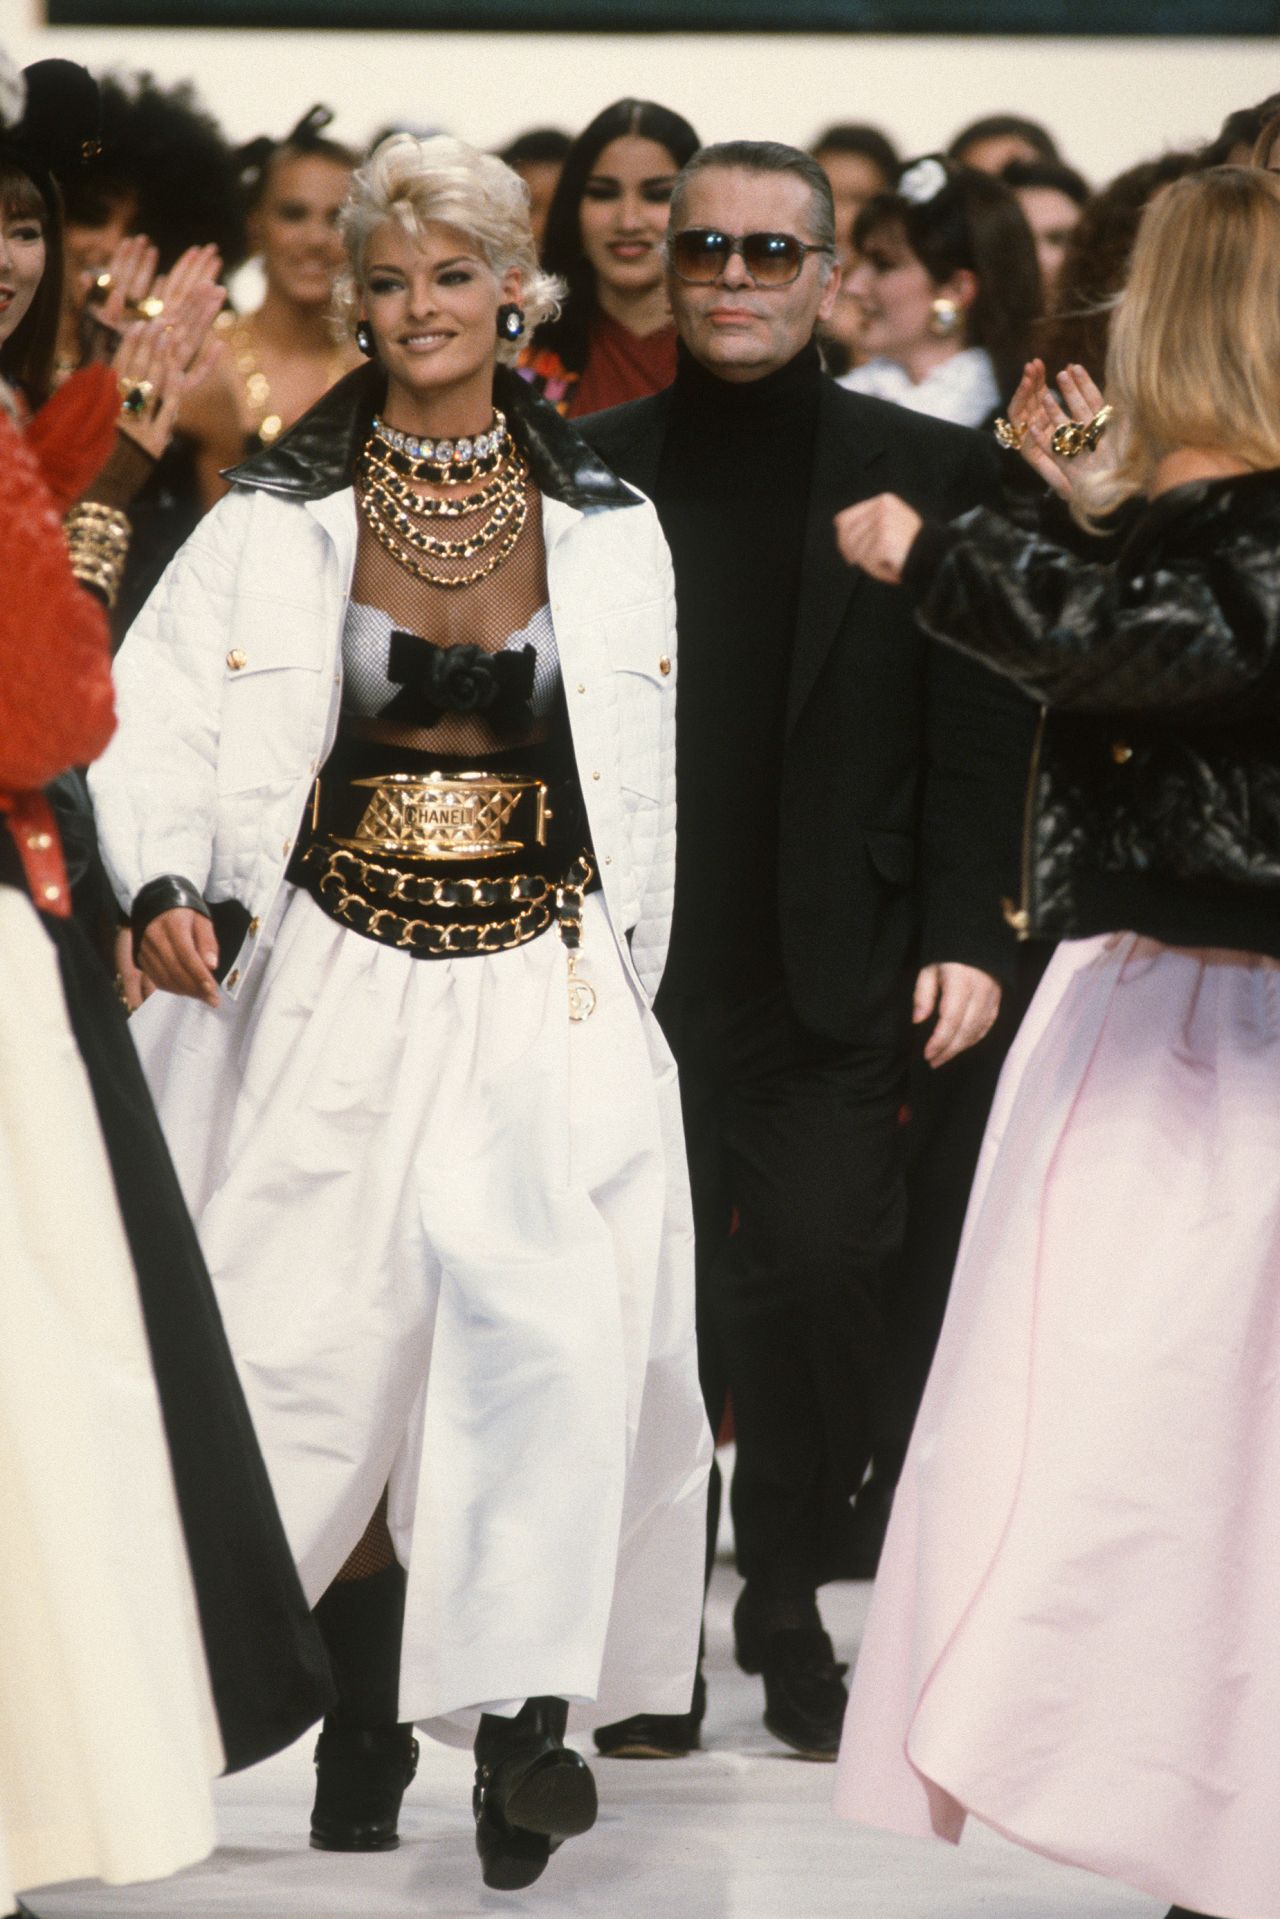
(436, 680)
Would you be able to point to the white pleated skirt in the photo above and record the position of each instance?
(108, 1740)
(451, 1238)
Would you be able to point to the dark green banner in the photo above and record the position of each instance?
(1075, 17)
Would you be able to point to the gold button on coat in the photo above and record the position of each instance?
(1121, 752)
(664, 666)
(254, 927)
(236, 659)
(233, 976)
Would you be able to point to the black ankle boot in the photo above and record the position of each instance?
(532, 1792)
(364, 1759)
(361, 1775)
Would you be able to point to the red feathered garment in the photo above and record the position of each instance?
(56, 703)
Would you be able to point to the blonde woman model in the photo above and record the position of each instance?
(391, 806)
(1074, 1634)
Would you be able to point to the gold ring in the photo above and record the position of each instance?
(1098, 426)
(135, 396)
(100, 286)
(1069, 439)
(1009, 435)
(1080, 436)
(149, 309)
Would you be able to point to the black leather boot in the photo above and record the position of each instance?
(361, 1775)
(532, 1792)
(364, 1758)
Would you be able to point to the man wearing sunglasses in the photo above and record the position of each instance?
(848, 822)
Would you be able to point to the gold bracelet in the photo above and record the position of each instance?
(98, 542)
(97, 514)
(96, 545)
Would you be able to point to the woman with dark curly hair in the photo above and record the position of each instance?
(614, 338)
(165, 169)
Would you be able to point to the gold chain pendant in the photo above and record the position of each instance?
(582, 995)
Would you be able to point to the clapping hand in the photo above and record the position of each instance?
(1036, 415)
(158, 361)
(157, 332)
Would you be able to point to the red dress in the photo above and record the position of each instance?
(56, 703)
(621, 366)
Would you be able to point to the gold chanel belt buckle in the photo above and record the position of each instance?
(438, 816)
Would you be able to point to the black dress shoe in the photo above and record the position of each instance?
(804, 1691)
(656, 1735)
(361, 1776)
(532, 1792)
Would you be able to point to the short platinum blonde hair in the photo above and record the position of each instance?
(415, 181)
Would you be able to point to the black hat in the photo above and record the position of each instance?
(61, 121)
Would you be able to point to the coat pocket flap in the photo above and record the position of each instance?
(267, 636)
(637, 644)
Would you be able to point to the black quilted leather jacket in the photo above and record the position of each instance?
(1153, 804)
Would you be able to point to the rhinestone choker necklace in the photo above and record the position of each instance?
(447, 453)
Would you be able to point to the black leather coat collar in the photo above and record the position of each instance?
(318, 455)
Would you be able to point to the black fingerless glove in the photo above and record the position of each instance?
(162, 896)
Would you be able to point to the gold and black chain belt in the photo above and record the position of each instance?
(421, 913)
(376, 880)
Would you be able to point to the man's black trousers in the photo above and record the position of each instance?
(795, 1160)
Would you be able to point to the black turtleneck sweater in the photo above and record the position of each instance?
(732, 495)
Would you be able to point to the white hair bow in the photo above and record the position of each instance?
(13, 91)
(922, 182)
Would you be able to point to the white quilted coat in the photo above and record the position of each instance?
(230, 680)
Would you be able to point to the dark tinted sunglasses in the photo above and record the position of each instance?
(699, 255)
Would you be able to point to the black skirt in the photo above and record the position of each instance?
(267, 1665)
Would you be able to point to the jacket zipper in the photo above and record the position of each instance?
(1019, 917)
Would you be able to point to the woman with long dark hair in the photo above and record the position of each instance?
(614, 338)
(950, 288)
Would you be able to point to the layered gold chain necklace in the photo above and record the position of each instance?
(399, 517)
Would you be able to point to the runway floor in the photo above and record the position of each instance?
(739, 1831)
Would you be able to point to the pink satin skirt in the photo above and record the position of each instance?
(1075, 1636)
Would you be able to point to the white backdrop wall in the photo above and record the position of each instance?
(1111, 102)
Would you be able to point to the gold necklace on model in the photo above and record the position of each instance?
(399, 517)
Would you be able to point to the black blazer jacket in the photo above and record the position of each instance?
(905, 764)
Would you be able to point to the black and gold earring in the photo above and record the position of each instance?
(510, 321)
(364, 339)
